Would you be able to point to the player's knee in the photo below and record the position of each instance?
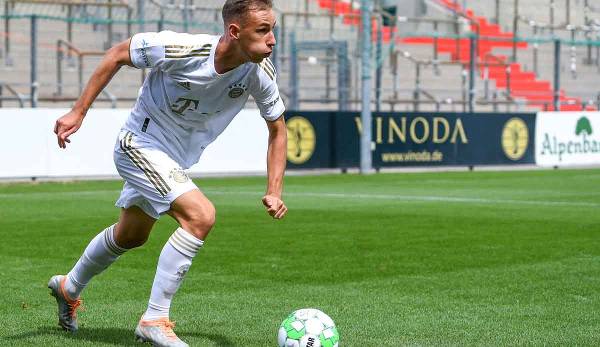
(201, 220)
(133, 241)
(130, 238)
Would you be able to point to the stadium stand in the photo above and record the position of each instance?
(417, 70)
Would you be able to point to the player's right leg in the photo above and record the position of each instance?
(131, 231)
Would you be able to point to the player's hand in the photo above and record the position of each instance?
(67, 125)
(275, 206)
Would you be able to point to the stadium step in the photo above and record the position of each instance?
(523, 84)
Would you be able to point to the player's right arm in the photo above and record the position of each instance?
(114, 58)
(165, 50)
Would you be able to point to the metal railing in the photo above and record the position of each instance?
(418, 89)
(486, 72)
(187, 9)
(9, 6)
(16, 96)
(61, 47)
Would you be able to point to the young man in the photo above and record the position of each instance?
(196, 86)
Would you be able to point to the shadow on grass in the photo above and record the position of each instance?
(119, 337)
(219, 340)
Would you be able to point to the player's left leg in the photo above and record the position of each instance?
(196, 216)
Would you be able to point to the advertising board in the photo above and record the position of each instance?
(567, 138)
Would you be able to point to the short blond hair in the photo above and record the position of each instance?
(237, 9)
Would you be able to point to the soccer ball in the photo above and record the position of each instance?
(308, 327)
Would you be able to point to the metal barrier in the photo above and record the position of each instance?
(16, 95)
(69, 4)
(61, 46)
(418, 91)
(59, 63)
(187, 10)
(496, 62)
(339, 49)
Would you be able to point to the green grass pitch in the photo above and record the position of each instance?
(430, 259)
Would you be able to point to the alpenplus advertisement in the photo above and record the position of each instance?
(567, 138)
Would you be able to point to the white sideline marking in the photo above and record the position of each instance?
(396, 198)
(425, 198)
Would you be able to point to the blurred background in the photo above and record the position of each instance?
(427, 55)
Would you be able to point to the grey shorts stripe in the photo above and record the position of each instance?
(141, 156)
(153, 176)
(142, 163)
(136, 160)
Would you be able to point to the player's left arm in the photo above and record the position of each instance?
(276, 161)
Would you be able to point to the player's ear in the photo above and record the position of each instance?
(233, 30)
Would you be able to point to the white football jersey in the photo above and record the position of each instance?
(184, 104)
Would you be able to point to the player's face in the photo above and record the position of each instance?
(256, 35)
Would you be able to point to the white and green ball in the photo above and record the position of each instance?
(308, 327)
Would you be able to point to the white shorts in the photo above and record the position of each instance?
(152, 179)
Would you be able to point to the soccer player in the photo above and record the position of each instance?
(197, 84)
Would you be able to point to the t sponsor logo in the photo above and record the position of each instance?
(183, 104)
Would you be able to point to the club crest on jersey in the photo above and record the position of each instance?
(178, 175)
(237, 90)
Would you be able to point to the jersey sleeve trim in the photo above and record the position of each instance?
(180, 52)
(268, 68)
(273, 119)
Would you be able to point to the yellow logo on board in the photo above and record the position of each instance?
(515, 138)
(301, 140)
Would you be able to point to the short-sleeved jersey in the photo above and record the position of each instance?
(184, 104)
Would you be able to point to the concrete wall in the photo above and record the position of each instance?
(29, 148)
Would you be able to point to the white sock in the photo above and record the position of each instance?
(173, 263)
(99, 254)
